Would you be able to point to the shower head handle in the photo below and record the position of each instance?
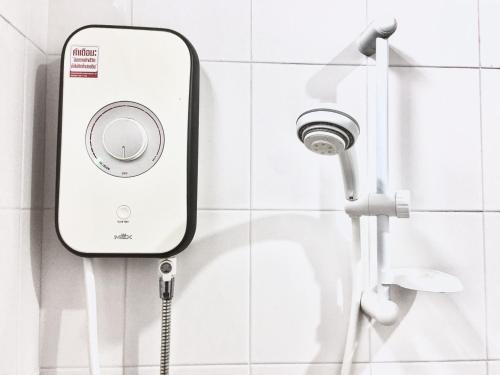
(349, 166)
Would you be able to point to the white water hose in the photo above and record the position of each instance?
(351, 342)
(167, 271)
(91, 297)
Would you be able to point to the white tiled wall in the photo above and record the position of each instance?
(430, 368)
(432, 32)
(264, 287)
(23, 29)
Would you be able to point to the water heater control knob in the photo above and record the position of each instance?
(125, 139)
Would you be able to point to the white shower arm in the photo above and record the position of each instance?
(382, 27)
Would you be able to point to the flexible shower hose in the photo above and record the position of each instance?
(166, 310)
(91, 298)
(351, 341)
(167, 273)
(167, 270)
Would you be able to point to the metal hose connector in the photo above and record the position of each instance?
(166, 271)
(166, 311)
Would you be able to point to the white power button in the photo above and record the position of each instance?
(123, 212)
(124, 139)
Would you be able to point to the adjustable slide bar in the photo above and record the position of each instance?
(374, 39)
(377, 303)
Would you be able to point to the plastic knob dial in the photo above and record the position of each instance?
(125, 139)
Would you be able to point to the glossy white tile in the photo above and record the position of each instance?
(11, 114)
(451, 368)
(301, 287)
(80, 371)
(285, 174)
(431, 32)
(174, 370)
(224, 146)
(435, 136)
(192, 370)
(437, 327)
(29, 17)
(490, 90)
(492, 261)
(38, 22)
(65, 17)
(489, 32)
(15, 12)
(33, 128)
(63, 327)
(210, 310)
(309, 369)
(315, 31)
(9, 290)
(219, 30)
(494, 368)
(29, 292)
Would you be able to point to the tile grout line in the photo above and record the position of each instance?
(322, 64)
(485, 283)
(271, 209)
(20, 212)
(300, 63)
(482, 186)
(240, 364)
(22, 34)
(250, 228)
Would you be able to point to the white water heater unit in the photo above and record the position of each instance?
(127, 142)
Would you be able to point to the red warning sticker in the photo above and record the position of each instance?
(84, 62)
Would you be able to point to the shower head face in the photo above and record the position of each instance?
(327, 131)
(324, 142)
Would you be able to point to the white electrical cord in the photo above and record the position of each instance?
(91, 297)
(351, 341)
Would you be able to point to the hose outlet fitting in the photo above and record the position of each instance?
(167, 269)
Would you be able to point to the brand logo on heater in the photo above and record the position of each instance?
(123, 236)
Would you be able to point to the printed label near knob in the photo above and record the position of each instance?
(124, 139)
